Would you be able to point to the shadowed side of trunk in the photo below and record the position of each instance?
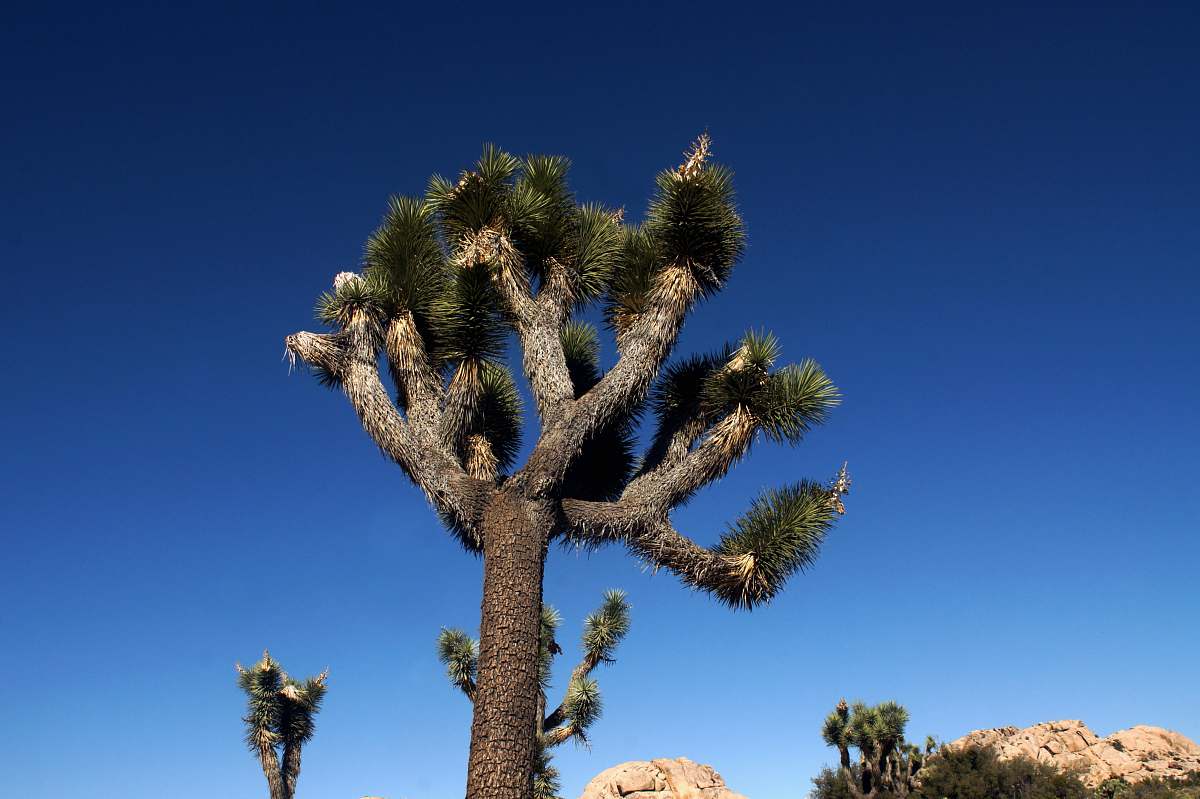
(502, 759)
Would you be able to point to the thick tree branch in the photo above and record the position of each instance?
(538, 321)
(651, 336)
(780, 534)
(557, 736)
(420, 387)
(270, 766)
(351, 358)
(544, 361)
(680, 476)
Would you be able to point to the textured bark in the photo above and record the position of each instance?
(270, 767)
(291, 769)
(644, 348)
(516, 532)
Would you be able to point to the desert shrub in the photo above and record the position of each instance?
(975, 772)
(1114, 788)
(1159, 788)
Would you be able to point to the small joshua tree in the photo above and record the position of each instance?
(506, 252)
(580, 707)
(279, 720)
(887, 763)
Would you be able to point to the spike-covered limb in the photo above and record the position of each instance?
(271, 770)
(559, 715)
(651, 337)
(350, 358)
(678, 478)
(559, 735)
(543, 358)
(779, 535)
(419, 386)
(537, 320)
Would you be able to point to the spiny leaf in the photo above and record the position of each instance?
(404, 256)
(780, 534)
(694, 222)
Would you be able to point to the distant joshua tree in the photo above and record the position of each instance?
(505, 251)
(603, 630)
(279, 720)
(887, 764)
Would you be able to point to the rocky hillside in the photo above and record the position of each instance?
(1135, 754)
(659, 779)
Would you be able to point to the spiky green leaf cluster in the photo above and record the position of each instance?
(459, 653)
(302, 702)
(678, 392)
(280, 709)
(497, 413)
(581, 347)
(528, 201)
(868, 728)
(352, 296)
(481, 198)
(780, 534)
(785, 404)
(261, 684)
(693, 221)
(544, 209)
(405, 259)
(582, 705)
(878, 727)
(546, 783)
(834, 728)
(594, 249)
(634, 277)
(604, 629)
(466, 318)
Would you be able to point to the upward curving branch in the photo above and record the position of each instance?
(686, 249)
(780, 534)
(349, 359)
(726, 403)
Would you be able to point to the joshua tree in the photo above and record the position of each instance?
(580, 707)
(505, 250)
(886, 763)
(279, 720)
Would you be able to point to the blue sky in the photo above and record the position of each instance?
(982, 221)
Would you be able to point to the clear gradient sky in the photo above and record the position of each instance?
(983, 222)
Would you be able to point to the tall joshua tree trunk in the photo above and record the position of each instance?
(506, 249)
(503, 745)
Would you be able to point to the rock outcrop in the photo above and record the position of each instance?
(1132, 755)
(659, 779)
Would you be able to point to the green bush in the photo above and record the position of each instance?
(975, 772)
(1158, 788)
